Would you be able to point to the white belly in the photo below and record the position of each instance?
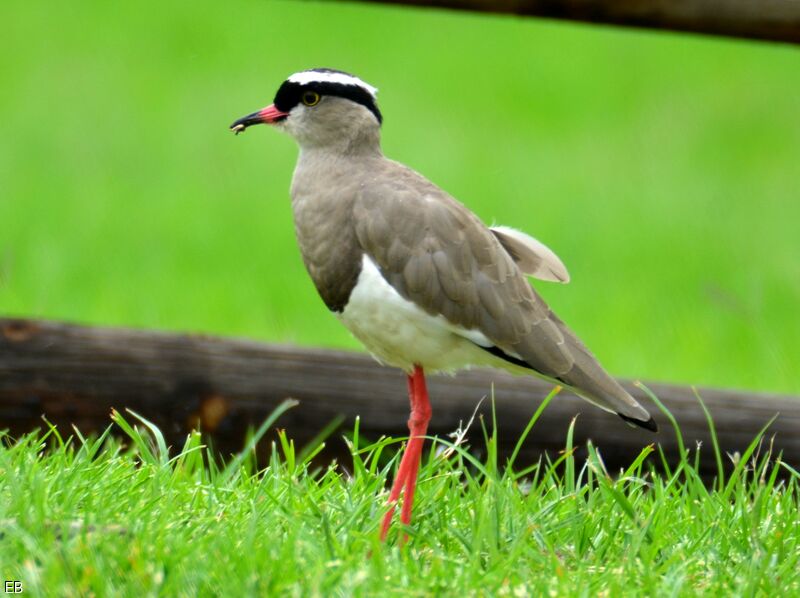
(399, 333)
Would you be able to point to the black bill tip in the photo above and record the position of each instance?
(241, 124)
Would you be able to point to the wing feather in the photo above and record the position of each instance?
(532, 256)
(440, 256)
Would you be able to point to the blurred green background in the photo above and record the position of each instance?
(662, 168)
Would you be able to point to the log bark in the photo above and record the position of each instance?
(76, 374)
(772, 20)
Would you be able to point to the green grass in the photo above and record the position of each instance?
(662, 168)
(98, 517)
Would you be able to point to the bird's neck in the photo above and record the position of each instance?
(344, 143)
(351, 132)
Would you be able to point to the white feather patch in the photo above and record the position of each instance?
(306, 77)
(399, 333)
(533, 257)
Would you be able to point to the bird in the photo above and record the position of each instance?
(411, 272)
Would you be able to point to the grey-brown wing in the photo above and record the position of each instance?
(439, 255)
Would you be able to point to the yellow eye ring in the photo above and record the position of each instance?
(310, 98)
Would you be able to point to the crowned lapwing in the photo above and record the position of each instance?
(411, 272)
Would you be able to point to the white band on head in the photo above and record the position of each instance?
(305, 77)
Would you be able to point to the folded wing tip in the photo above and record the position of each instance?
(650, 424)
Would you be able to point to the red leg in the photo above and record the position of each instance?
(418, 426)
(402, 470)
(406, 480)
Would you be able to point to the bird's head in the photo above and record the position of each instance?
(321, 107)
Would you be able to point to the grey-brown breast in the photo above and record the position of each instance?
(322, 203)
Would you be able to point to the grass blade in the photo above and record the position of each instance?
(714, 441)
(531, 423)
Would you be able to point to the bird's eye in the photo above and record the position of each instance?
(310, 98)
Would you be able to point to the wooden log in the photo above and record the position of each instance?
(772, 20)
(76, 374)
